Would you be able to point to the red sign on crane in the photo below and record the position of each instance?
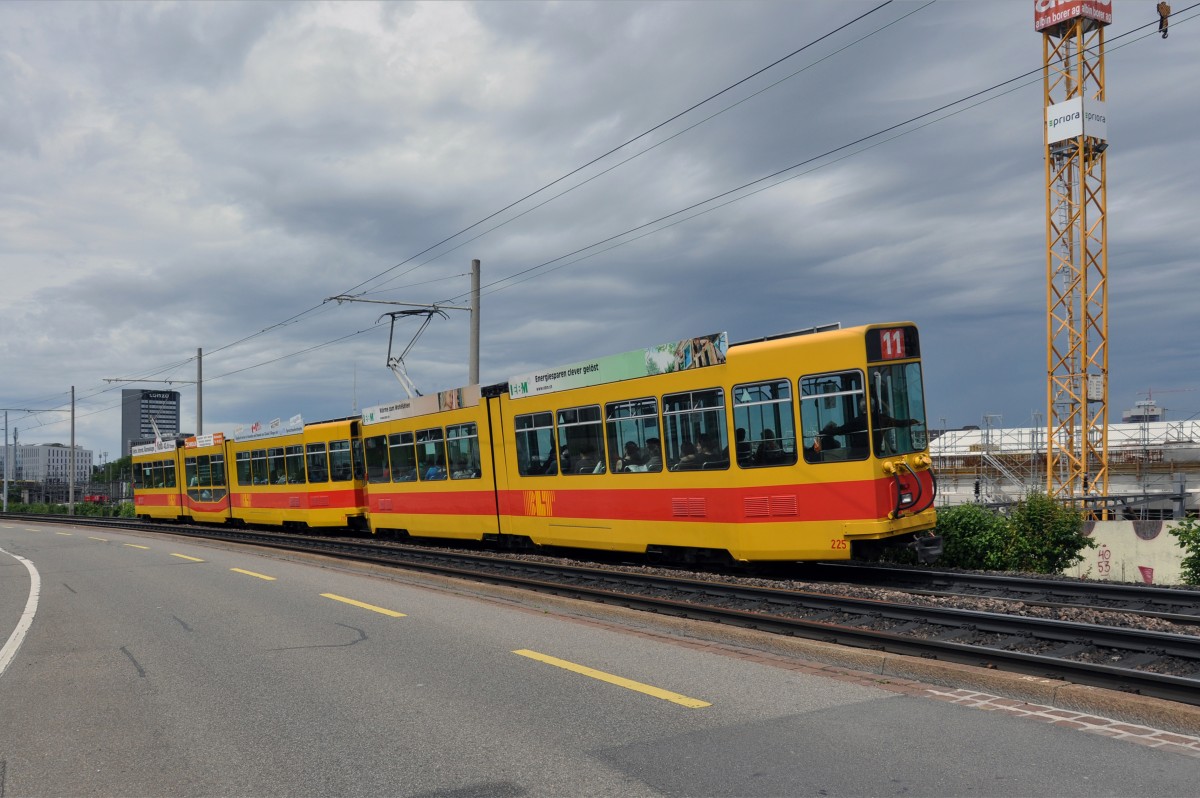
(1048, 13)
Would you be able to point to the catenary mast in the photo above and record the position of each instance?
(1075, 144)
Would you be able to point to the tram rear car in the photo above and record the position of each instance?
(156, 481)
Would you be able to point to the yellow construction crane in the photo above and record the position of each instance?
(1075, 142)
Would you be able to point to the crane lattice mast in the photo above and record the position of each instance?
(1075, 143)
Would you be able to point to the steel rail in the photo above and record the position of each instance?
(1174, 604)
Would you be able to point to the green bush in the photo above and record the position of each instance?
(1039, 536)
(1047, 537)
(972, 537)
(1187, 532)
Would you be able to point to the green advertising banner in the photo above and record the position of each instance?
(690, 353)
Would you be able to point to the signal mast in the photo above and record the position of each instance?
(1075, 141)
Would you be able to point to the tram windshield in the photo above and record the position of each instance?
(898, 420)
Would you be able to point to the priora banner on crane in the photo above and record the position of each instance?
(1074, 118)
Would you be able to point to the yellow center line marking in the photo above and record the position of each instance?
(185, 557)
(68, 534)
(134, 546)
(657, 692)
(102, 540)
(370, 607)
(251, 573)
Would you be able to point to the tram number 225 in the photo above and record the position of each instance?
(838, 543)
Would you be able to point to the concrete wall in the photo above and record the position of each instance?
(1132, 551)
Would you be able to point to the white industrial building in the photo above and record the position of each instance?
(48, 462)
(1153, 465)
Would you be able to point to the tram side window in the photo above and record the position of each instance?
(403, 456)
(276, 472)
(462, 446)
(431, 454)
(377, 458)
(258, 466)
(168, 473)
(694, 425)
(632, 428)
(318, 464)
(242, 466)
(217, 466)
(294, 457)
(833, 417)
(139, 476)
(189, 472)
(535, 444)
(581, 440)
(203, 471)
(341, 462)
(764, 423)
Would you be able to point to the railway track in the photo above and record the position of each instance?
(1150, 662)
(1174, 604)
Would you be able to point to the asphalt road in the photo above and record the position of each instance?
(161, 666)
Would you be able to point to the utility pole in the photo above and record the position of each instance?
(198, 382)
(71, 479)
(473, 378)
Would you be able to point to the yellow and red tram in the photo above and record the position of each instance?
(764, 452)
(431, 467)
(206, 487)
(806, 446)
(300, 475)
(156, 480)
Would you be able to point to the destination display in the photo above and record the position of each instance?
(690, 353)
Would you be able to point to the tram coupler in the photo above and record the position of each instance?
(927, 547)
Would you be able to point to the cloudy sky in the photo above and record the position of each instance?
(176, 176)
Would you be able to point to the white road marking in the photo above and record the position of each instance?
(14, 640)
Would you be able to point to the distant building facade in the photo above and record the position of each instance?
(139, 406)
(46, 462)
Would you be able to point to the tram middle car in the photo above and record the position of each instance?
(806, 446)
